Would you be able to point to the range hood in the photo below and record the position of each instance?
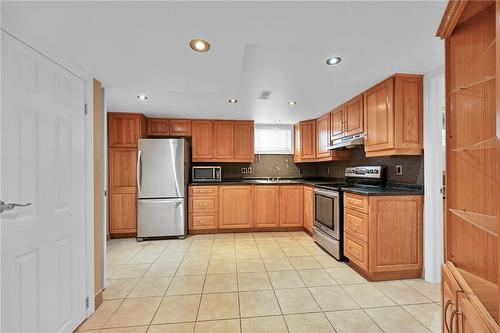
(348, 141)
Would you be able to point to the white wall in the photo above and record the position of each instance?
(433, 174)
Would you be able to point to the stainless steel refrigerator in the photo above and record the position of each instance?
(162, 177)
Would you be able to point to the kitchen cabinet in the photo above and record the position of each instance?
(308, 208)
(202, 140)
(471, 31)
(267, 206)
(291, 206)
(203, 209)
(337, 123)
(307, 140)
(353, 116)
(236, 207)
(124, 129)
(244, 141)
(393, 116)
(296, 140)
(383, 235)
(158, 127)
(223, 140)
(180, 127)
(323, 136)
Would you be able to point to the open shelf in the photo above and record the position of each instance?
(484, 222)
(490, 143)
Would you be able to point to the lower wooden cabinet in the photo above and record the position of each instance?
(267, 206)
(123, 213)
(383, 235)
(203, 208)
(236, 207)
(291, 206)
(308, 208)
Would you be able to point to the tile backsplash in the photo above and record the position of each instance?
(265, 166)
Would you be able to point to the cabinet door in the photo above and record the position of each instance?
(223, 140)
(124, 129)
(180, 127)
(236, 207)
(395, 233)
(291, 206)
(122, 169)
(408, 100)
(379, 116)
(296, 142)
(468, 318)
(308, 208)
(337, 123)
(266, 206)
(122, 213)
(308, 140)
(202, 141)
(244, 141)
(449, 293)
(323, 136)
(353, 116)
(158, 127)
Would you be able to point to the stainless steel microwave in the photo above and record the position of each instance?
(206, 174)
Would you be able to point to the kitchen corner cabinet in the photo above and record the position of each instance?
(222, 141)
(236, 207)
(393, 116)
(124, 129)
(383, 235)
(291, 206)
(308, 208)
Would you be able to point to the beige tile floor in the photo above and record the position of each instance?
(252, 283)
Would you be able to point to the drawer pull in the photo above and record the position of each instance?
(448, 302)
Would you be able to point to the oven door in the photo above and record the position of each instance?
(326, 212)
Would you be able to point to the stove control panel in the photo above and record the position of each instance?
(365, 172)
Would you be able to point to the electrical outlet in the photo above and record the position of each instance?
(399, 170)
(249, 170)
(244, 170)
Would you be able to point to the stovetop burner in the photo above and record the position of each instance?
(361, 176)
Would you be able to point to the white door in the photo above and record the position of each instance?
(42, 163)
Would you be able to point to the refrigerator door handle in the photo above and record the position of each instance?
(157, 201)
(139, 170)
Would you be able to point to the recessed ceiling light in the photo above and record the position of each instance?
(292, 102)
(199, 45)
(232, 101)
(333, 61)
(142, 97)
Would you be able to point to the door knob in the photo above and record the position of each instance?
(10, 206)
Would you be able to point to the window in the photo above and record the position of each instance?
(273, 139)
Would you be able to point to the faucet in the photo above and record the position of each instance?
(277, 171)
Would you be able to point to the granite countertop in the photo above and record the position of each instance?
(261, 181)
(389, 189)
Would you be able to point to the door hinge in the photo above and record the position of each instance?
(86, 302)
(105, 193)
(85, 108)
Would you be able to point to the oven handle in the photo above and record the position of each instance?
(331, 194)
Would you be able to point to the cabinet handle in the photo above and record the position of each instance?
(448, 302)
(453, 314)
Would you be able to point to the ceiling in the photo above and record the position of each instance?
(138, 47)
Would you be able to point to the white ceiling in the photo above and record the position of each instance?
(137, 47)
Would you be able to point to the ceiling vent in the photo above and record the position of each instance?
(264, 94)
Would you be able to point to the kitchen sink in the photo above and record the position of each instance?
(280, 181)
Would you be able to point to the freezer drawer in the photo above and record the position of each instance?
(161, 217)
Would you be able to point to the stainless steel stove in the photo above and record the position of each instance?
(328, 213)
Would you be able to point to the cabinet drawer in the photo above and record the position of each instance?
(356, 251)
(203, 205)
(356, 224)
(203, 221)
(203, 190)
(357, 202)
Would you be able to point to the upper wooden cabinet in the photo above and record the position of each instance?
(244, 150)
(393, 116)
(307, 140)
(223, 140)
(180, 127)
(202, 141)
(353, 116)
(124, 129)
(122, 169)
(337, 123)
(158, 127)
(236, 208)
(296, 140)
(323, 136)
